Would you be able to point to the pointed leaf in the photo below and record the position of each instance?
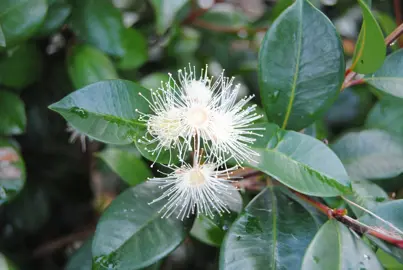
(370, 154)
(389, 77)
(272, 233)
(300, 78)
(127, 165)
(12, 114)
(300, 162)
(336, 247)
(370, 50)
(87, 64)
(131, 233)
(20, 19)
(106, 110)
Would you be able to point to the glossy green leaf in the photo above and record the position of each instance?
(6, 264)
(387, 115)
(99, 23)
(300, 162)
(272, 233)
(56, 16)
(370, 50)
(131, 233)
(370, 154)
(299, 78)
(127, 165)
(12, 114)
(211, 231)
(87, 64)
(367, 195)
(165, 12)
(21, 66)
(336, 247)
(391, 212)
(2, 38)
(389, 77)
(106, 110)
(20, 19)
(136, 51)
(81, 258)
(12, 171)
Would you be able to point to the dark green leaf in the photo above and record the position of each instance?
(299, 78)
(367, 195)
(300, 162)
(2, 38)
(389, 77)
(21, 66)
(12, 114)
(6, 264)
(105, 111)
(82, 258)
(391, 212)
(165, 12)
(387, 115)
(131, 233)
(388, 261)
(136, 53)
(127, 165)
(370, 154)
(272, 233)
(58, 13)
(20, 19)
(99, 23)
(336, 247)
(87, 65)
(12, 171)
(211, 231)
(370, 50)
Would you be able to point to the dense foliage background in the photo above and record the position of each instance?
(52, 193)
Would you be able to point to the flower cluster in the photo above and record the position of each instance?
(203, 116)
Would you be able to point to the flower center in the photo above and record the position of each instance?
(197, 116)
(198, 92)
(196, 177)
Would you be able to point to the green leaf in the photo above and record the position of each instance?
(153, 80)
(370, 154)
(21, 18)
(389, 77)
(12, 114)
(299, 78)
(131, 233)
(336, 247)
(211, 231)
(273, 232)
(300, 162)
(12, 170)
(82, 258)
(367, 195)
(136, 51)
(388, 261)
(2, 38)
(126, 164)
(387, 115)
(106, 110)
(21, 66)
(99, 23)
(87, 65)
(165, 12)
(391, 212)
(6, 264)
(58, 13)
(224, 16)
(370, 50)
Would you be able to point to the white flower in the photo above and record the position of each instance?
(200, 187)
(75, 134)
(201, 112)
